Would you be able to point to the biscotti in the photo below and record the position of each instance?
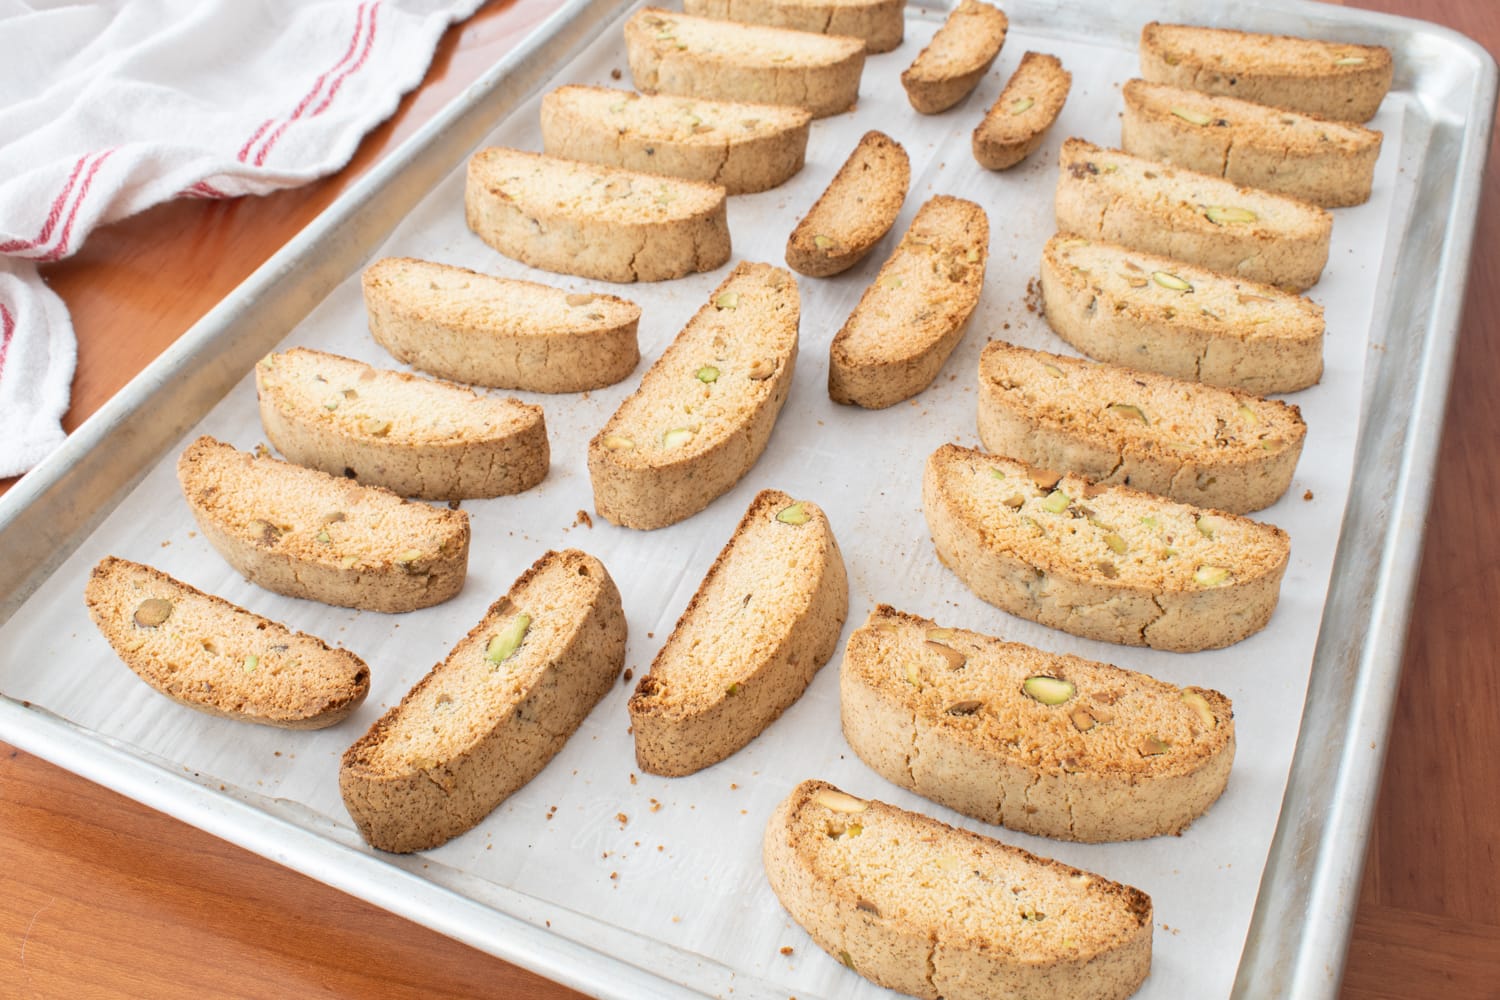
(857, 209)
(1335, 80)
(1157, 314)
(1108, 195)
(1101, 562)
(1020, 117)
(1196, 443)
(594, 221)
(960, 53)
(304, 533)
(743, 147)
(499, 332)
(414, 436)
(1325, 162)
(880, 24)
(213, 656)
(934, 911)
(673, 53)
(764, 619)
(487, 719)
(705, 410)
(1052, 745)
(913, 315)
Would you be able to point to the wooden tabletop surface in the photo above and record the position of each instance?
(106, 898)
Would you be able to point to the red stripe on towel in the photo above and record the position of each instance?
(61, 250)
(53, 214)
(317, 87)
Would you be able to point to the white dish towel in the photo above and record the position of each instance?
(109, 108)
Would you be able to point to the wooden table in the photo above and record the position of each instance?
(106, 898)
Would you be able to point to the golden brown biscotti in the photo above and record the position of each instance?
(487, 719)
(1325, 162)
(934, 911)
(594, 221)
(705, 410)
(1102, 562)
(762, 622)
(960, 53)
(414, 436)
(1157, 314)
(1051, 745)
(880, 24)
(304, 533)
(1113, 196)
(743, 147)
(672, 53)
(857, 209)
(1020, 117)
(913, 315)
(205, 653)
(1335, 80)
(1200, 444)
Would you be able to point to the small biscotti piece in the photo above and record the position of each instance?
(1325, 162)
(672, 53)
(414, 436)
(1329, 79)
(1157, 314)
(304, 533)
(205, 653)
(858, 208)
(1020, 117)
(934, 911)
(704, 412)
(1051, 745)
(487, 719)
(764, 619)
(913, 315)
(594, 221)
(959, 54)
(1102, 562)
(879, 23)
(1238, 231)
(1200, 444)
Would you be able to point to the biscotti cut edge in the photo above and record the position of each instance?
(880, 24)
(950, 67)
(1017, 122)
(854, 212)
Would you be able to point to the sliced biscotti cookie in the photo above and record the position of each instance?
(1051, 745)
(1113, 196)
(1325, 162)
(1335, 80)
(880, 24)
(672, 53)
(1020, 117)
(913, 315)
(960, 53)
(857, 209)
(1102, 562)
(704, 412)
(744, 147)
(1157, 314)
(1200, 444)
(594, 221)
(414, 436)
(934, 911)
(205, 653)
(764, 619)
(304, 533)
(487, 719)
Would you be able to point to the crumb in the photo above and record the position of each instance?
(655, 807)
(551, 811)
(1307, 495)
(1033, 295)
(276, 753)
(629, 675)
(454, 504)
(489, 847)
(744, 812)
(661, 847)
(1005, 326)
(786, 949)
(622, 819)
(166, 544)
(604, 855)
(583, 519)
(549, 923)
(676, 920)
(192, 534)
(650, 635)
(632, 777)
(614, 74)
(733, 786)
(615, 876)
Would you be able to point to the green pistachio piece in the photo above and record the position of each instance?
(1195, 117)
(504, 645)
(1057, 501)
(708, 373)
(1048, 690)
(1220, 215)
(1168, 280)
(1022, 105)
(1211, 576)
(793, 514)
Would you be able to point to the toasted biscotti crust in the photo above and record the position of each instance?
(880, 24)
(1199, 444)
(1098, 754)
(1108, 195)
(913, 314)
(304, 533)
(216, 657)
(1020, 117)
(1101, 562)
(1334, 80)
(960, 53)
(854, 212)
(487, 719)
(915, 905)
(765, 618)
(594, 221)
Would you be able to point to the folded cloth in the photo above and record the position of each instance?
(109, 108)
